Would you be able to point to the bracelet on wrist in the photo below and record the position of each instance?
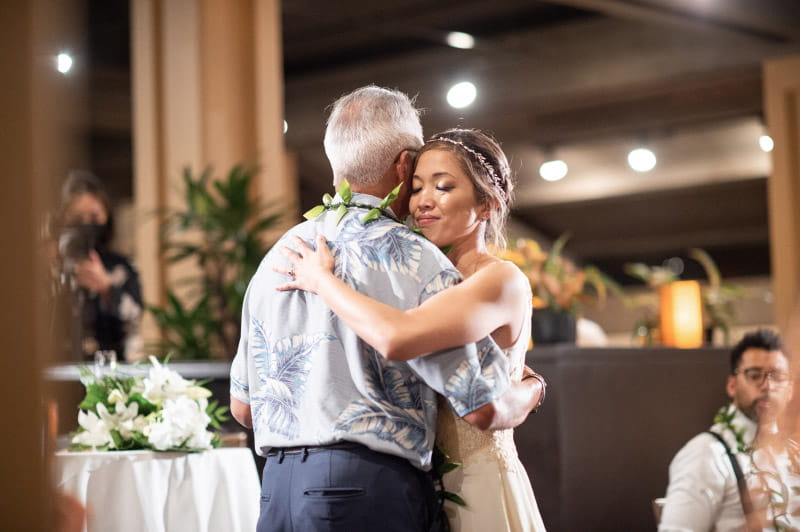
(544, 389)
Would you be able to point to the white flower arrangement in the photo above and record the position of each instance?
(161, 412)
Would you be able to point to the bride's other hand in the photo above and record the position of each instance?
(308, 266)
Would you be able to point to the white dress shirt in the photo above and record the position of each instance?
(702, 494)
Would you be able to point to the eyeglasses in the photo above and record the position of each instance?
(757, 376)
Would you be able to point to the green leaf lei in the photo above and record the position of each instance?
(725, 417)
(342, 208)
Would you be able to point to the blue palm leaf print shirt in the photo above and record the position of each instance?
(309, 380)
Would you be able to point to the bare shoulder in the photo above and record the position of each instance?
(504, 275)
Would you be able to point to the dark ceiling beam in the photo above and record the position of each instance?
(699, 216)
(385, 32)
(637, 108)
(649, 109)
(739, 16)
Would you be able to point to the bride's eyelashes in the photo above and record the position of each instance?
(441, 188)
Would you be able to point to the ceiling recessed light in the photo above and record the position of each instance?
(63, 62)
(642, 160)
(461, 94)
(553, 170)
(766, 143)
(458, 39)
(285, 126)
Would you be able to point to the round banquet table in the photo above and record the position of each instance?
(138, 491)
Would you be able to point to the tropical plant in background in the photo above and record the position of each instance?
(557, 282)
(221, 230)
(646, 327)
(718, 297)
(652, 276)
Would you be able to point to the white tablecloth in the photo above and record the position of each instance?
(145, 491)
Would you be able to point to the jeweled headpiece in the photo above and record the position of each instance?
(478, 156)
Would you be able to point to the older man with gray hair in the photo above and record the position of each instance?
(348, 435)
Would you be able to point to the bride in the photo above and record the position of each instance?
(460, 196)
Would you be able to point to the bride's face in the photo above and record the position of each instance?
(442, 201)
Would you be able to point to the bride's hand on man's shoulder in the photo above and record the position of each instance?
(307, 266)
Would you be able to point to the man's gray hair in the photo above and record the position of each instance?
(367, 130)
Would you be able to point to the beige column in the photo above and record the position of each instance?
(207, 90)
(41, 138)
(277, 183)
(782, 107)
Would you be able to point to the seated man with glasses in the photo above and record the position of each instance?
(743, 474)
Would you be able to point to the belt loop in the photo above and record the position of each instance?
(305, 454)
(281, 455)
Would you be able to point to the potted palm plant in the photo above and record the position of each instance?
(221, 230)
(718, 298)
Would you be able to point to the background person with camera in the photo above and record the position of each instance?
(105, 294)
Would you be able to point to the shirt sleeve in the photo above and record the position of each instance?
(240, 388)
(468, 376)
(698, 476)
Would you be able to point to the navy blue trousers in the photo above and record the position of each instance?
(345, 490)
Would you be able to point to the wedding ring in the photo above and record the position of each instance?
(291, 273)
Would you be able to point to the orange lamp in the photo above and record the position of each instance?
(681, 314)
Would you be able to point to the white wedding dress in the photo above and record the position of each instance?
(492, 480)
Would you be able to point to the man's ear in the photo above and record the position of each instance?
(404, 165)
(730, 386)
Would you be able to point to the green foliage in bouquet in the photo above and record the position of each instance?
(442, 465)
(161, 412)
(220, 228)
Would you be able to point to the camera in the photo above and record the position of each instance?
(74, 244)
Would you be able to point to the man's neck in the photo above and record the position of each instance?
(379, 191)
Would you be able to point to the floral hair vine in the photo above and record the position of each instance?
(493, 177)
